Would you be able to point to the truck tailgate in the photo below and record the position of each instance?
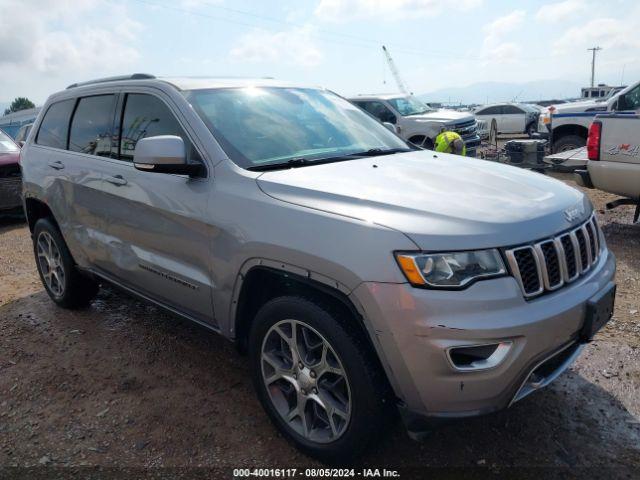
(620, 138)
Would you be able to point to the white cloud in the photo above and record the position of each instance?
(560, 12)
(505, 24)
(65, 35)
(295, 46)
(195, 4)
(496, 49)
(615, 36)
(346, 10)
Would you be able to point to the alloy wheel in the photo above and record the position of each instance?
(306, 381)
(50, 263)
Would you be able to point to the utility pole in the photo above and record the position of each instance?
(593, 63)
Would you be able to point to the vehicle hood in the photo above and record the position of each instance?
(579, 106)
(444, 116)
(9, 158)
(440, 201)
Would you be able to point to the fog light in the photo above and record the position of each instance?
(478, 357)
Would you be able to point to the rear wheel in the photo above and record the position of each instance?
(316, 379)
(65, 285)
(532, 129)
(568, 142)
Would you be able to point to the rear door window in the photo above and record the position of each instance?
(55, 124)
(378, 110)
(91, 127)
(511, 110)
(148, 116)
(496, 110)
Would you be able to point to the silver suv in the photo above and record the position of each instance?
(358, 273)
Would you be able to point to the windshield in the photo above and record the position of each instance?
(407, 106)
(612, 93)
(259, 126)
(6, 144)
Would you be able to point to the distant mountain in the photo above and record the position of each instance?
(490, 92)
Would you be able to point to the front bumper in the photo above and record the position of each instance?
(415, 327)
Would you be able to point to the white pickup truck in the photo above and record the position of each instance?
(613, 148)
(568, 123)
(418, 123)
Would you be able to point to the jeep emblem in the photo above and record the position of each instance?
(572, 214)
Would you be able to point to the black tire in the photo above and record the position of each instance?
(568, 142)
(77, 290)
(531, 129)
(423, 142)
(369, 392)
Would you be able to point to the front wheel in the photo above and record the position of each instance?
(422, 142)
(316, 379)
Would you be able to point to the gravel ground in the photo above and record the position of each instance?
(123, 384)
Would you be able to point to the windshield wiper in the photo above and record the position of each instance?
(377, 152)
(293, 163)
(305, 162)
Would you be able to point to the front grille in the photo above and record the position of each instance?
(468, 123)
(569, 256)
(466, 129)
(528, 270)
(548, 265)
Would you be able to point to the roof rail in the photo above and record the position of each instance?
(135, 76)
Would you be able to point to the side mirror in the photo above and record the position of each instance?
(163, 154)
(620, 104)
(391, 127)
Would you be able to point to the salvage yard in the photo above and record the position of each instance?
(125, 384)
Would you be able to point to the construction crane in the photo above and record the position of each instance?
(402, 86)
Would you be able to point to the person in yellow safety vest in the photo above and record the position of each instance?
(450, 142)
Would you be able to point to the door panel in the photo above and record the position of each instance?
(513, 119)
(159, 238)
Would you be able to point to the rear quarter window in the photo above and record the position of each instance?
(54, 128)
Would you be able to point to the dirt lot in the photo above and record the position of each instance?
(123, 384)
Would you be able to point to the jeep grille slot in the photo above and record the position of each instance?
(548, 265)
(528, 270)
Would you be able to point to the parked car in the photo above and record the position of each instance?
(10, 183)
(418, 123)
(568, 124)
(359, 274)
(613, 150)
(510, 118)
(22, 134)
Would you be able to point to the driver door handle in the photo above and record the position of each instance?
(58, 165)
(116, 180)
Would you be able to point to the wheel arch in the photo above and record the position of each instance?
(572, 129)
(263, 280)
(36, 209)
(416, 139)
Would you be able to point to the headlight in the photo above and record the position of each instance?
(450, 270)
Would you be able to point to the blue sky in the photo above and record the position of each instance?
(45, 45)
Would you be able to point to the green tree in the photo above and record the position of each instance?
(20, 103)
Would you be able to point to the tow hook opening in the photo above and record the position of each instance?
(478, 357)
